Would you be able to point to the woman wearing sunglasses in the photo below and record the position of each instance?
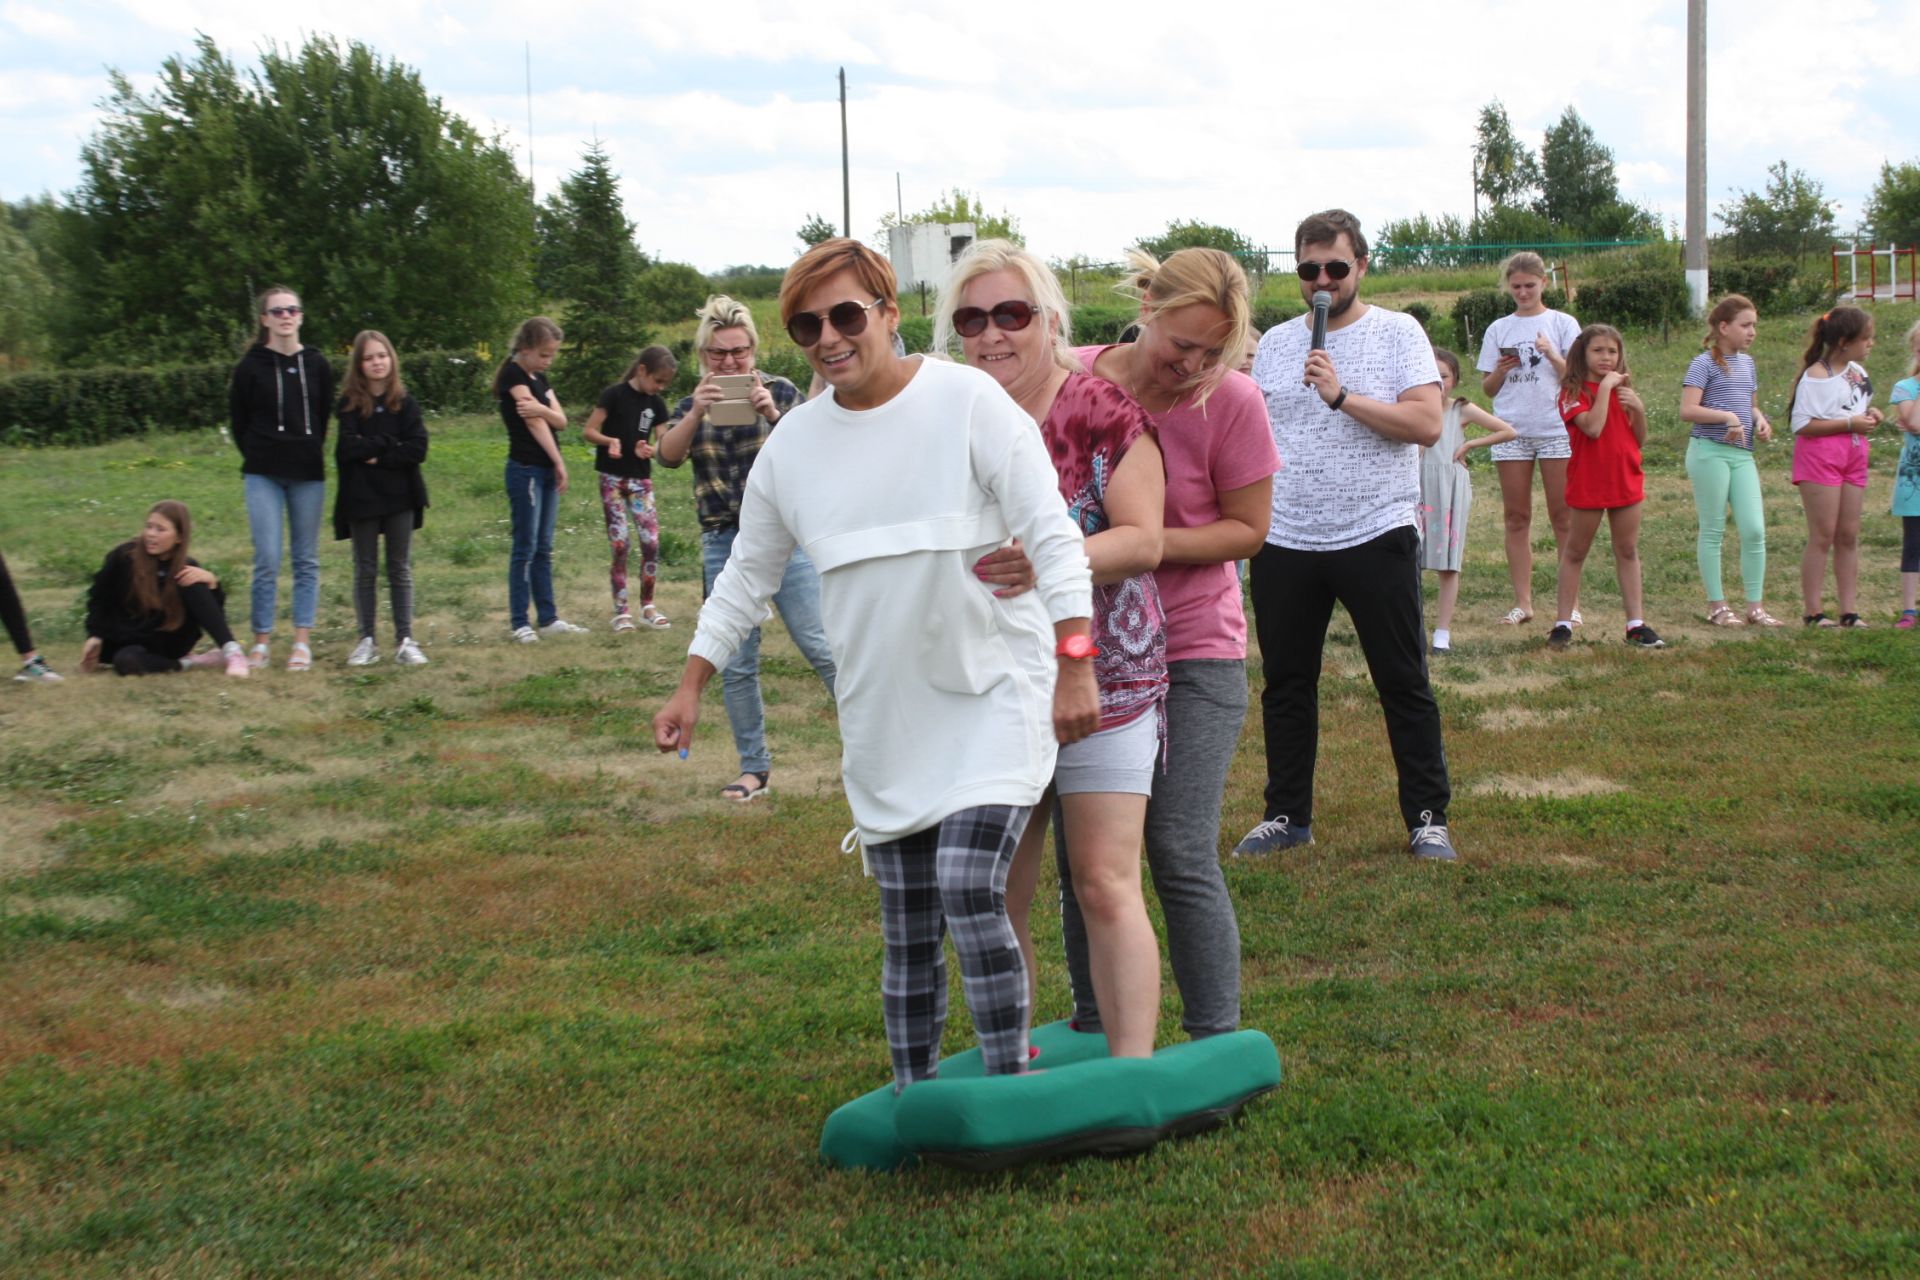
(723, 457)
(280, 397)
(951, 701)
(1212, 428)
(1005, 307)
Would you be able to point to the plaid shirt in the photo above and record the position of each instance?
(722, 456)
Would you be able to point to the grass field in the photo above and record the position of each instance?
(444, 971)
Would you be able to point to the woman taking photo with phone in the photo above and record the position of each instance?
(281, 394)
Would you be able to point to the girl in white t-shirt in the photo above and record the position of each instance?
(1832, 413)
(1522, 361)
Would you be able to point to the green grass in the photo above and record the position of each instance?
(444, 971)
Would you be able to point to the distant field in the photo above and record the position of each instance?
(444, 971)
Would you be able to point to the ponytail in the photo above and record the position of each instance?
(534, 331)
(1729, 307)
(1829, 333)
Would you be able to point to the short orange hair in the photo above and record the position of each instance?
(829, 258)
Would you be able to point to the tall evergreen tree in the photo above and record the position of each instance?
(595, 266)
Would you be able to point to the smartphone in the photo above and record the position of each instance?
(732, 409)
(1511, 353)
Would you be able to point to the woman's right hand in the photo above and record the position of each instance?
(673, 725)
(1007, 571)
(90, 654)
(705, 396)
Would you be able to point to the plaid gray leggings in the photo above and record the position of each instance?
(953, 876)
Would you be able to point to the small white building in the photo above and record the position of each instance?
(923, 252)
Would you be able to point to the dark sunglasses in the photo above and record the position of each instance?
(1012, 316)
(849, 321)
(1336, 270)
(283, 311)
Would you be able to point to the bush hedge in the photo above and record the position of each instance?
(1475, 309)
(86, 406)
(1637, 300)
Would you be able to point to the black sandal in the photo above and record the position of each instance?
(1852, 620)
(1818, 620)
(739, 794)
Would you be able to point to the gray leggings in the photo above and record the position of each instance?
(398, 531)
(1206, 707)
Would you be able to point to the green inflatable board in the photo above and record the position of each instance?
(1078, 1102)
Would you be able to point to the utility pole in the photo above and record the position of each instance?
(531, 189)
(1696, 250)
(846, 173)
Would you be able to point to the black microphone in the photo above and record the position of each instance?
(1322, 300)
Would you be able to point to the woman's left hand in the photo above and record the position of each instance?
(1007, 570)
(762, 401)
(1076, 700)
(193, 575)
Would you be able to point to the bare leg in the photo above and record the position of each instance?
(1624, 524)
(1449, 597)
(1573, 559)
(1553, 481)
(1516, 499)
(1103, 846)
(1846, 547)
(1822, 503)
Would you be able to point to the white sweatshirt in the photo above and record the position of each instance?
(945, 691)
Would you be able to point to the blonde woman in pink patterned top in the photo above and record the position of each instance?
(1005, 309)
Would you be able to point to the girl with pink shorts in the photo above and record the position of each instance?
(1833, 414)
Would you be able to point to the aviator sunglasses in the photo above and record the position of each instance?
(1336, 270)
(1012, 316)
(849, 321)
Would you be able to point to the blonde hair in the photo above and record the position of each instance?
(1726, 312)
(534, 331)
(1524, 263)
(1191, 277)
(984, 257)
(722, 312)
(1913, 345)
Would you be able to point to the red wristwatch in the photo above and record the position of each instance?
(1076, 647)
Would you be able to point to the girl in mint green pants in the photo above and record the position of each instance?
(1720, 398)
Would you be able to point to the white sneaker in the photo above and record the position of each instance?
(561, 627)
(526, 635)
(409, 655)
(364, 654)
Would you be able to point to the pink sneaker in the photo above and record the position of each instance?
(1907, 621)
(209, 660)
(238, 665)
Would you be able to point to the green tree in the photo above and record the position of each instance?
(1577, 178)
(328, 169)
(1892, 213)
(1792, 216)
(1504, 171)
(25, 300)
(961, 206)
(596, 267)
(671, 292)
(1420, 241)
(1201, 235)
(815, 229)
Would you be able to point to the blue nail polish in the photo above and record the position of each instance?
(683, 753)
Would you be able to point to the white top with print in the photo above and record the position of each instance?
(1529, 398)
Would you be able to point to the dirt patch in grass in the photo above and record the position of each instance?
(1563, 785)
(70, 908)
(1510, 718)
(24, 847)
(1495, 684)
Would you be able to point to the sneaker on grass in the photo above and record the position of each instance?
(526, 635)
(1645, 637)
(364, 654)
(1560, 637)
(409, 655)
(1429, 840)
(36, 671)
(1272, 836)
(561, 627)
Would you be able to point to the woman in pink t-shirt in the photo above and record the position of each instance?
(1211, 422)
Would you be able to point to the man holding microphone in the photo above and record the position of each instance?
(1353, 393)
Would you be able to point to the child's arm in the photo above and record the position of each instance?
(1762, 424)
(594, 435)
(1691, 410)
(1592, 422)
(1636, 410)
(1499, 430)
(1910, 417)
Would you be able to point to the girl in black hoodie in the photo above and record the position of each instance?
(280, 397)
(151, 601)
(383, 441)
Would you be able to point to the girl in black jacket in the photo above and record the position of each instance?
(279, 400)
(383, 441)
(151, 601)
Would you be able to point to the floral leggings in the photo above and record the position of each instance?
(628, 503)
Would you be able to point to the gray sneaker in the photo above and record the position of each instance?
(1429, 840)
(1271, 836)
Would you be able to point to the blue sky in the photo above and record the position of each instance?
(1093, 124)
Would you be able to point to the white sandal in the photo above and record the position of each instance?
(1516, 616)
(653, 617)
(623, 622)
(301, 659)
(1724, 616)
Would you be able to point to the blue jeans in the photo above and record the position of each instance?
(534, 497)
(268, 497)
(798, 601)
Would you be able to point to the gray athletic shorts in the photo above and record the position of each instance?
(1118, 759)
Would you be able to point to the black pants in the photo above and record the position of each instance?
(1293, 598)
(157, 652)
(12, 615)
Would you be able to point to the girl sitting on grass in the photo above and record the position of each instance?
(1720, 397)
(1446, 492)
(151, 601)
(383, 441)
(621, 426)
(1906, 483)
(1832, 414)
(1607, 424)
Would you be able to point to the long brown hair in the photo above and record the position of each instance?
(151, 588)
(260, 334)
(1574, 381)
(1729, 307)
(357, 394)
(1829, 333)
(534, 331)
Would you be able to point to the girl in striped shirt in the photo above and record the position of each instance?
(1720, 399)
